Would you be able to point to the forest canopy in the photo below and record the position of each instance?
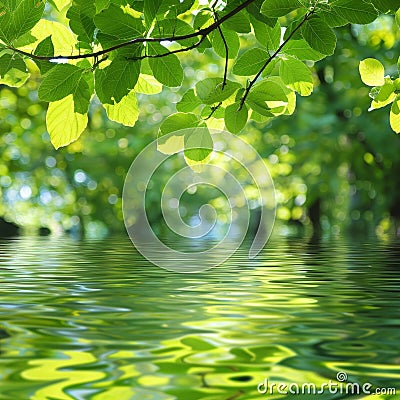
(113, 50)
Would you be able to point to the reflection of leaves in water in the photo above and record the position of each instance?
(3, 334)
(92, 319)
(61, 370)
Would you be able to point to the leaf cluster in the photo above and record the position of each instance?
(115, 49)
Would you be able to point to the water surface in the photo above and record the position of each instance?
(94, 320)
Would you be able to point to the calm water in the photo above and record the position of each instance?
(93, 320)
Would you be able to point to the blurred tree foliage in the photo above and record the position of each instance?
(333, 163)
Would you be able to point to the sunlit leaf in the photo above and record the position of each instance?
(125, 112)
(372, 72)
(212, 90)
(395, 115)
(63, 123)
(189, 102)
(250, 62)
(147, 84)
(18, 17)
(297, 76)
(235, 118)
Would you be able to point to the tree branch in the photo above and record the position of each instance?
(269, 60)
(202, 32)
(181, 50)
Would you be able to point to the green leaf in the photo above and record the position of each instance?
(302, 50)
(198, 144)
(101, 4)
(61, 4)
(330, 16)
(61, 37)
(250, 62)
(189, 102)
(214, 112)
(279, 8)
(178, 124)
(385, 5)
(150, 10)
(211, 90)
(63, 80)
(265, 96)
(395, 115)
(168, 69)
(238, 22)
(173, 8)
(63, 123)
(174, 27)
(292, 31)
(125, 112)
(147, 84)
(232, 40)
(397, 16)
(384, 95)
(372, 72)
(254, 9)
(297, 76)
(290, 94)
(355, 11)
(116, 80)
(13, 70)
(235, 119)
(268, 36)
(6, 62)
(18, 17)
(114, 21)
(81, 15)
(319, 35)
(45, 48)
(178, 121)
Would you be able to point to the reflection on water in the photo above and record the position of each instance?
(93, 320)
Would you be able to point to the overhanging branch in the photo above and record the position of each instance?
(202, 33)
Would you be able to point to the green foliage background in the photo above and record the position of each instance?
(328, 156)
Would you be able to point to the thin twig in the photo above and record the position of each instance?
(213, 110)
(226, 48)
(269, 60)
(191, 47)
(202, 32)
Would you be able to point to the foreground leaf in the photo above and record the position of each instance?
(168, 69)
(319, 35)
(125, 112)
(13, 71)
(395, 115)
(355, 11)
(235, 119)
(198, 144)
(297, 76)
(279, 8)
(18, 17)
(250, 62)
(372, 72)
(212, 90)
(63, 123)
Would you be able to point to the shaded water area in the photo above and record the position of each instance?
(94, 320)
